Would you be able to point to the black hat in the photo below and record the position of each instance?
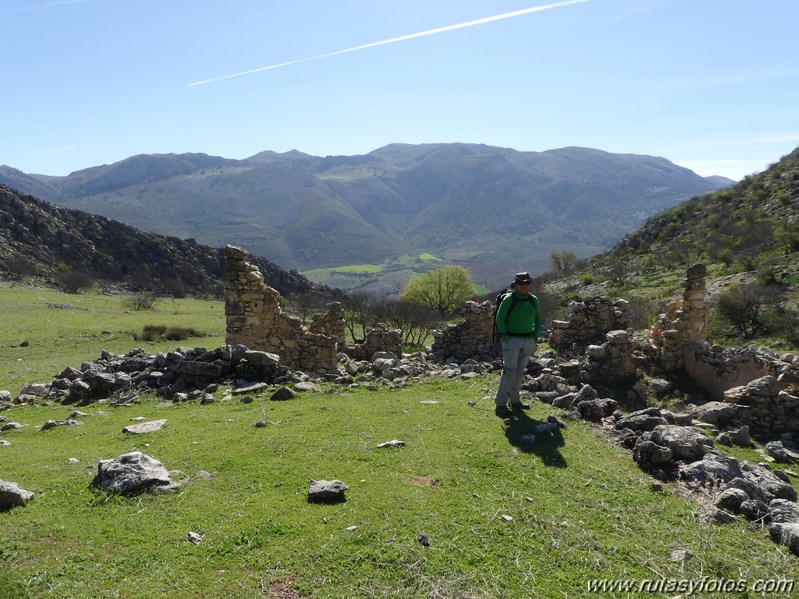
(523, 277)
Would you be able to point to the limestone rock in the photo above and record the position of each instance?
(327, 491)
(11, 495)
(133, 473)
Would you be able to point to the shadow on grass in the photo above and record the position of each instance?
(538, 437)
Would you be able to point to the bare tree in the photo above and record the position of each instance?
(563, 262)
(416, 322)
(359, 313)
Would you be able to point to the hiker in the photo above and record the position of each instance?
(518, 322)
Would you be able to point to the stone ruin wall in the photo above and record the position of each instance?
(380, 339)
(255, 320)
(684, 323)
(761, 386)
(679, 342)
(472, 338)
(588, 322)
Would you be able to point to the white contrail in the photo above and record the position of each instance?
(507, 15)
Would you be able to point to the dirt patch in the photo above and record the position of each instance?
(424, 481)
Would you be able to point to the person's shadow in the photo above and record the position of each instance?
(543, 438)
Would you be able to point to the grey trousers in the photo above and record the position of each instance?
(516, 353)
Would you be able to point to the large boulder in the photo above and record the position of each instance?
(711, 470)
(716, 412)
(686, 444)
(11, 495)
(133, 473)
(642, 420)
(786, 534)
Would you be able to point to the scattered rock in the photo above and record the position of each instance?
(715, 412)
(134, 473)
(780, 453)
(54, 423)
(145, 427)
(11, 495)
(783, 511)
(730, 500)
(786, 534)
(327, 491)
(283, 394)
(195, 538)
(392, 443)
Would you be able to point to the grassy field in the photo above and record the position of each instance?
(505, 518)
(66, 329)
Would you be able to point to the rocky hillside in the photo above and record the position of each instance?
(75, 247)
(751, 225)
(748, 238)
(487, 208)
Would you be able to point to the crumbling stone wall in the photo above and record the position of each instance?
(764, 406)
(684, 323)
(379, 339)
(472, 338)
(613, 360)
(255, 320)
(717, 369)
(588, 322)
(330, 323)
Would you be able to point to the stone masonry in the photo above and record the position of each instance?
(684, 323)
(255, 320)
(472, 338)
(379, 339)
(588, 322)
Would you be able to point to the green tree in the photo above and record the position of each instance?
(443, 289)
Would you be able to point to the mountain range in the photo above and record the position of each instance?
(493, 210)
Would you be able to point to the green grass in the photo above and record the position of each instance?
(67, 329)
(579, 507)
(504, 519)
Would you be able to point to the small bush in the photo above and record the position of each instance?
(154, 332)
(73, 281)
(141, 301)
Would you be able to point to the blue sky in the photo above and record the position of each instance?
(712, 85)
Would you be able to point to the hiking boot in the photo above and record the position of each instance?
(518, 407)
(503, 412)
